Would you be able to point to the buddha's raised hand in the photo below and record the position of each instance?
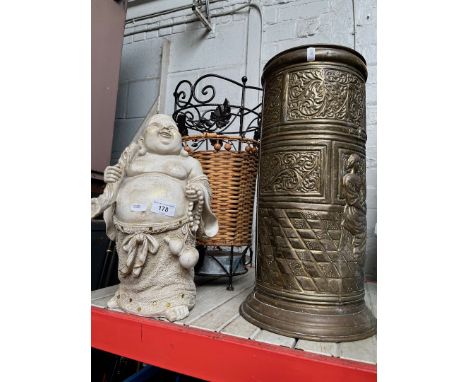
(112, 174)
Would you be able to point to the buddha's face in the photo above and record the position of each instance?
(163, 137)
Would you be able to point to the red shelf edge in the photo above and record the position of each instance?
(214, 356)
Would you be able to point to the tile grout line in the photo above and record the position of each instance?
(188, 322)
(106, 295)
(222, 326)
(255, 334)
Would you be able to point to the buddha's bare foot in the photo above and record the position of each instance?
(112, 303)
(177, 313)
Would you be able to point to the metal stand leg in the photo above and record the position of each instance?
(104, 271)
(110, 277)
(231, 270)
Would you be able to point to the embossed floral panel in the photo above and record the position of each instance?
(272, 105)
(324, 93)
(297, 172)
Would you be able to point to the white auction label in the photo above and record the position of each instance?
(162, 207)
(138, 207)
(310, 54)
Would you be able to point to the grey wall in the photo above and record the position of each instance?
(234, 50)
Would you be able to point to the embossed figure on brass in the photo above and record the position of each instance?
(354, 214)
(312, 198)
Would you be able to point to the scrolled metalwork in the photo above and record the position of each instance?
(195, 109)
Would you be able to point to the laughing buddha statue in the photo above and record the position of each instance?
(156, 201)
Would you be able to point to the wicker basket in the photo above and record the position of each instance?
(232, 175)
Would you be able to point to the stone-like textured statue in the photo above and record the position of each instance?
(156, 201)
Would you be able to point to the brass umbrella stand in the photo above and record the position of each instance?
(312, 197)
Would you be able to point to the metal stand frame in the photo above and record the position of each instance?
(232, 270)
(198, 113)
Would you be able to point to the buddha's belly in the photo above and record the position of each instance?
(151, 198)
